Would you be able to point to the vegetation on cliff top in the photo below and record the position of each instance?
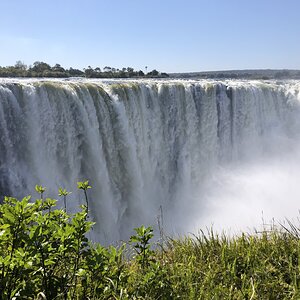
(42, 69)
(45, 254)
(263, 74)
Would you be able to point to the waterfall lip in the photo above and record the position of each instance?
(110, 81)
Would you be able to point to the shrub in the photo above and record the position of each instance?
(46, 252)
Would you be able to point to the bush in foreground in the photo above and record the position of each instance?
(45, 254)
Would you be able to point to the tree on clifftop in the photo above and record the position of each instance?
(153, 73)
(58, 68)
(40, 67)
(20, 65)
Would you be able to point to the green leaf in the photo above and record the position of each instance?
(83, 185)
(40, 189)
(63, 192)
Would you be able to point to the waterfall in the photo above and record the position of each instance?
(142, 144)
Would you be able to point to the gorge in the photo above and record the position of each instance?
(207, 152)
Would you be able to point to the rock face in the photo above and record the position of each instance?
(142, 144)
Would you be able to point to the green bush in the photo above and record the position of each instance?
(46, 252)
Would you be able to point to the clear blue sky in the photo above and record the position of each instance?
(168, 35)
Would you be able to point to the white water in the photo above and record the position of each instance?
(207, 152)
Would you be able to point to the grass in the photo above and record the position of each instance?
(261, 266)
(44, 251)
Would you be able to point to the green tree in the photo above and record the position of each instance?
(153, 73)
(75, 72)
(20, 65)
(89, 72)
(58, 68)
(107, 69)
(40, 67)
(141, 73)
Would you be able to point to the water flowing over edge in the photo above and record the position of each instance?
(145, 144)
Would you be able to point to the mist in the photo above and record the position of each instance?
(247, 195)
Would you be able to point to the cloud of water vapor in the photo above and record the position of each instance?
(247, 195)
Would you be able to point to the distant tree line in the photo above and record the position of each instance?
(42, 69)
(242, 74)
(284, 74)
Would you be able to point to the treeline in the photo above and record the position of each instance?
(284, 74)
(42, 69)
(242, 74)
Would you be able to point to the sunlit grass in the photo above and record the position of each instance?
(258, 266)
(45, 251)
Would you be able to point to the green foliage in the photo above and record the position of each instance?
(64, 193)
(142, 245)
(42, 69)
(44, 247)
(83, 185)
(45, 254)
(262, 266)
(149, 279)
(39, 189)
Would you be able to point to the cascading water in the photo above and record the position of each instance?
(184, 145)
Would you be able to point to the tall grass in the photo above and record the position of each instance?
(258, 266)
(45, 253)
